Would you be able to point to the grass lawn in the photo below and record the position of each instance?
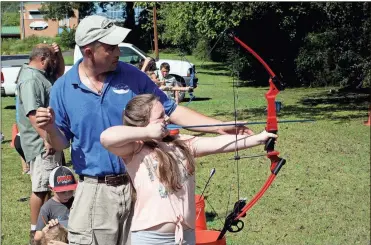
(321, 196)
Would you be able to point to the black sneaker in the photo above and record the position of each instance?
(32, 238)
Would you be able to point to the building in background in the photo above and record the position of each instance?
(33, 23)
(10, 32)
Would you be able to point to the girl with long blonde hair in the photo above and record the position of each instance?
(162, 168)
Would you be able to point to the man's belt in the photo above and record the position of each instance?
(111, 180)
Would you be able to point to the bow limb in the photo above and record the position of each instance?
(269, 70)
(233, 222)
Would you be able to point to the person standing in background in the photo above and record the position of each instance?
(34, 83)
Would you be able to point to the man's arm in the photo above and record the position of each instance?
(32, 118)
(53, 140)
(60, 60)
(187, 117)
(45, 121)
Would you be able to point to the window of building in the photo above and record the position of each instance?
(38, 25)
(35, 14)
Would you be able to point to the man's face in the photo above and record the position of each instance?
(106, 57)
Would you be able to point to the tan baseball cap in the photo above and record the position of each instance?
(99, 28)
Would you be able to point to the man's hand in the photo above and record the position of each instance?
(56, 48)
(45, 118)
(241, 130)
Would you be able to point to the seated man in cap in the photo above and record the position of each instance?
(63, 184)
(85, 101)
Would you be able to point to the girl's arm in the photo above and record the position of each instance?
(123, 140)
(154, 78)
(226, 143)
(145, 63)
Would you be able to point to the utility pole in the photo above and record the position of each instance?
(22, 21)
(155, 31)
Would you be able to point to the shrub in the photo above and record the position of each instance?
(201, 49)
(67, 37)
(11, 46)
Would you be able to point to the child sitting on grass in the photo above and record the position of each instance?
(63, 184)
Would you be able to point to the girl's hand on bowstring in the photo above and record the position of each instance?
(157, 130)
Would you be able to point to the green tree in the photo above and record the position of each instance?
(339, 51)
(10, 13)
(61, 10)
(9, 7)
(68, 37)
(331, 48)
(10, 19)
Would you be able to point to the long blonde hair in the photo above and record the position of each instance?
(137, 113)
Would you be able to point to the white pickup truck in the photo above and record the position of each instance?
(181, 70)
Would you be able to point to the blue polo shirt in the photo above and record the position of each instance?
(83, 114)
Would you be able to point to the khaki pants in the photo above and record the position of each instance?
(40, 169)
(100, 214)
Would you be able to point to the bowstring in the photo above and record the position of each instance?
(235, 100)
(217, 41)
(236, 152)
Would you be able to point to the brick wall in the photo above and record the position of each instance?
(53, 25)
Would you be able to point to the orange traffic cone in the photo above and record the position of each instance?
(14, 133)
(209, 237)
(368, 123)
(200, 213)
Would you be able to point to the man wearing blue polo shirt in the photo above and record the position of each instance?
(84, 102)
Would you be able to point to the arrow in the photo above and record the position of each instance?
(212, 172)
(175, 126)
